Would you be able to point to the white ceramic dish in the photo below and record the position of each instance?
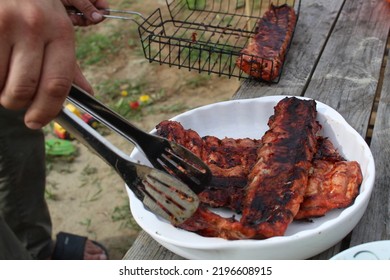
(376, 250)
(248, 118)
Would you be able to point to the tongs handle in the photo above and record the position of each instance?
(101, 146)
(109, 13)
(108, 117)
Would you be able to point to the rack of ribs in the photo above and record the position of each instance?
(230, 161)
(291, 173)
(264, 55)
(333, 183)
(278, 180)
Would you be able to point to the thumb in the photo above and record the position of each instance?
(81, 81)
(89, 10)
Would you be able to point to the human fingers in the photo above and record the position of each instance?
(21, 52)
(92, 10)
(37, 58)
(57, 75)
(22, 79)
(5, 54)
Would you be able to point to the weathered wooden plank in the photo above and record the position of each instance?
(375, 224)
(347, 74)
(146, 248)
(313, 28)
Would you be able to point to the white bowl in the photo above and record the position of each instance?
(248, 118)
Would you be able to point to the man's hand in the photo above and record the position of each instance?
(37, 56)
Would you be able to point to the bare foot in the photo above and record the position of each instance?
(93, 251)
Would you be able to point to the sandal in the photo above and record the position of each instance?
(71, 247)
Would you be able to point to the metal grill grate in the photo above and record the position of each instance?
(204, 36)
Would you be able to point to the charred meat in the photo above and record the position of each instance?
(290, 173)
(277, 182)
(334, 182)
(230, 161)
(264, 56)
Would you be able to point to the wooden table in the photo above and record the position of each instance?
(338, 56)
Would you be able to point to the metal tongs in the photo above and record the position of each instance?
(165, 155)
(159, 192)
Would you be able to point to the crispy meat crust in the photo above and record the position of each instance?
(264, 56)
(278, 180)
(334, 182)
(289, 174)
(230, 161)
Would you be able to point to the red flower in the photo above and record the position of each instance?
(134, 104)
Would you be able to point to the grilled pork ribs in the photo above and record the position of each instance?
(264, 55)
(230, 161)
(333, 183)
(291, 173)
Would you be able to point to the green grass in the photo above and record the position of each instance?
(50, 191)
(87, 223)
(93, 48)
(110, 90)
(89, 170)
(196, 4)
(95, 195)
(198, 81)
(121, 215)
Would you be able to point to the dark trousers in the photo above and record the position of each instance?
(25, 225)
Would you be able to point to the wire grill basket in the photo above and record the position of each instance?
(205, 35)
